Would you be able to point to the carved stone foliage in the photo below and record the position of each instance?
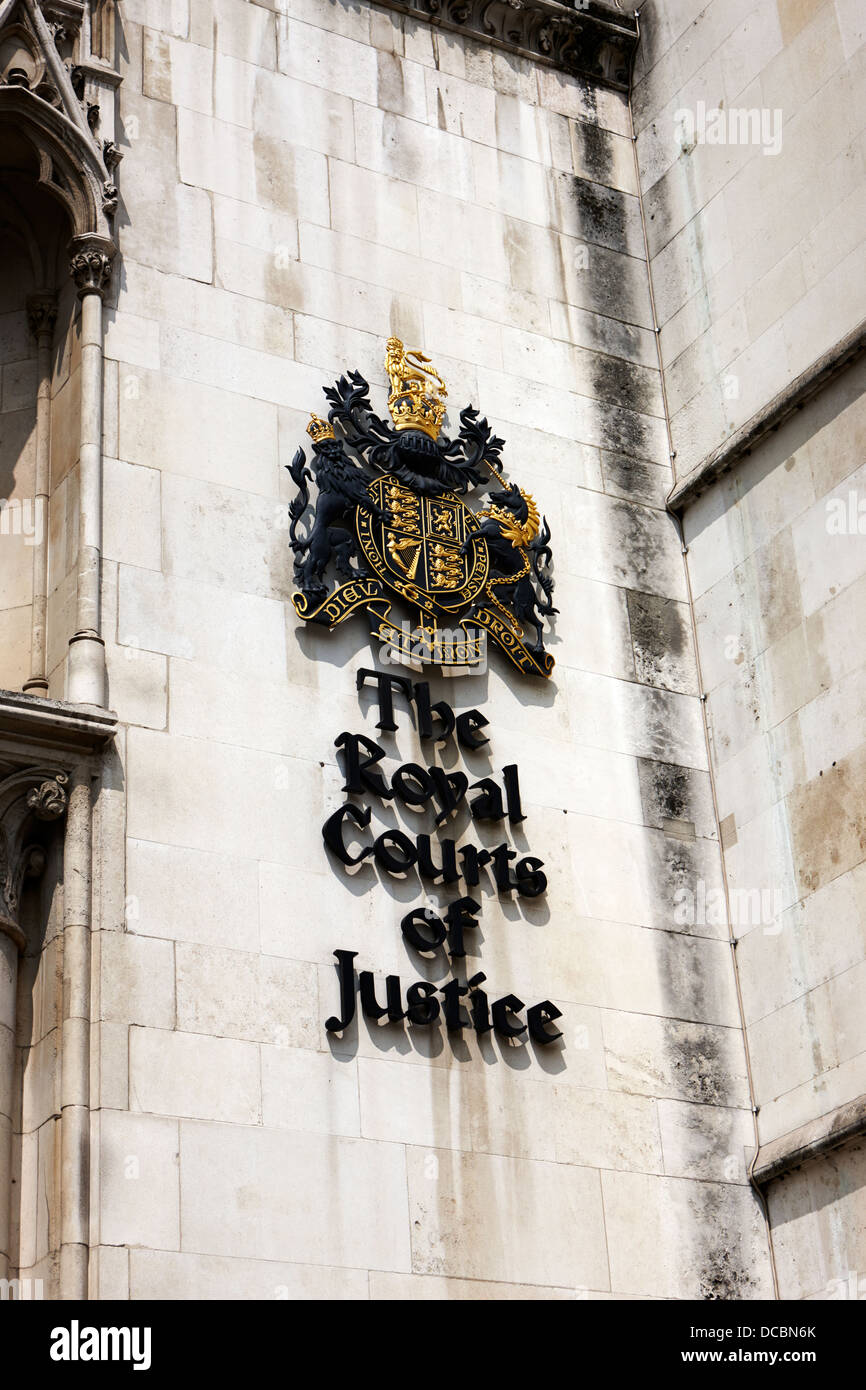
(586, 39)
(28, 796)
(90, 266)
(42, 314)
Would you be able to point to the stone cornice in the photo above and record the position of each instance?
(792, 398)
(586, 40)
(54, 725)
(810, 1141)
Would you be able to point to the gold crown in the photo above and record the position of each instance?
(415, 403)
(319, 429)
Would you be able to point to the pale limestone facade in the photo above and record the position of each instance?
(758, 263)
(299, 181)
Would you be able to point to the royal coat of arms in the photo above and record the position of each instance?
(390, 519)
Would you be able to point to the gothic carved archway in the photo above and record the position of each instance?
(56, 135)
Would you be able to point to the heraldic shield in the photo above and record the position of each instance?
(389, 517)
(421, 551)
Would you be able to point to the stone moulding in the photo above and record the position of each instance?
(54, 724)
(812, 1140)
(792, 398)
(589, 40)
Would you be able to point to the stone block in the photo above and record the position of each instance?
(137, 685)
(637, 719)
(396, 1109)
(236, 1201)
(192, 1076)
(216, 156)
(139, 1180)
(235, 28)
(177, 71)
(225, 538)
(661, 636)
(706, 1142)
(214, 797)
(199, 431)
(549, 1218)
(310, 1091)
(234, 631)
(131, 516)
(673, 1060)
(461, 235)
(233, 994)
(393, 270)
(308, 116)
(607, 1129)
(111, 1269)
(168, 223)
(136, 980)
(234, 84)
(327, 60)
(413, 153)
(218, 892)
(374, 207)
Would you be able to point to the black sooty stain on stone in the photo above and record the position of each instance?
(624, 383)
(684, 981)
(595, 147)
(638, 541)
(638, 482)
(698, 1063)
(666, 792)
(612, 289)
(677, 868)
(617, 338)
(724, 1275)
(659, 636)
(603, 215)
(725, 1269)
(625, 432)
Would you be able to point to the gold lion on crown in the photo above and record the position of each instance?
(415, 403)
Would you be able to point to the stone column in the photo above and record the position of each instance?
(8, 998)
(26, 796)
(42, 316)
(91, 269)
(75, 1043)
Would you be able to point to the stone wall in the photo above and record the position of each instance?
(755, 257)
(754, 254)
(778, 573)
(299, 182)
